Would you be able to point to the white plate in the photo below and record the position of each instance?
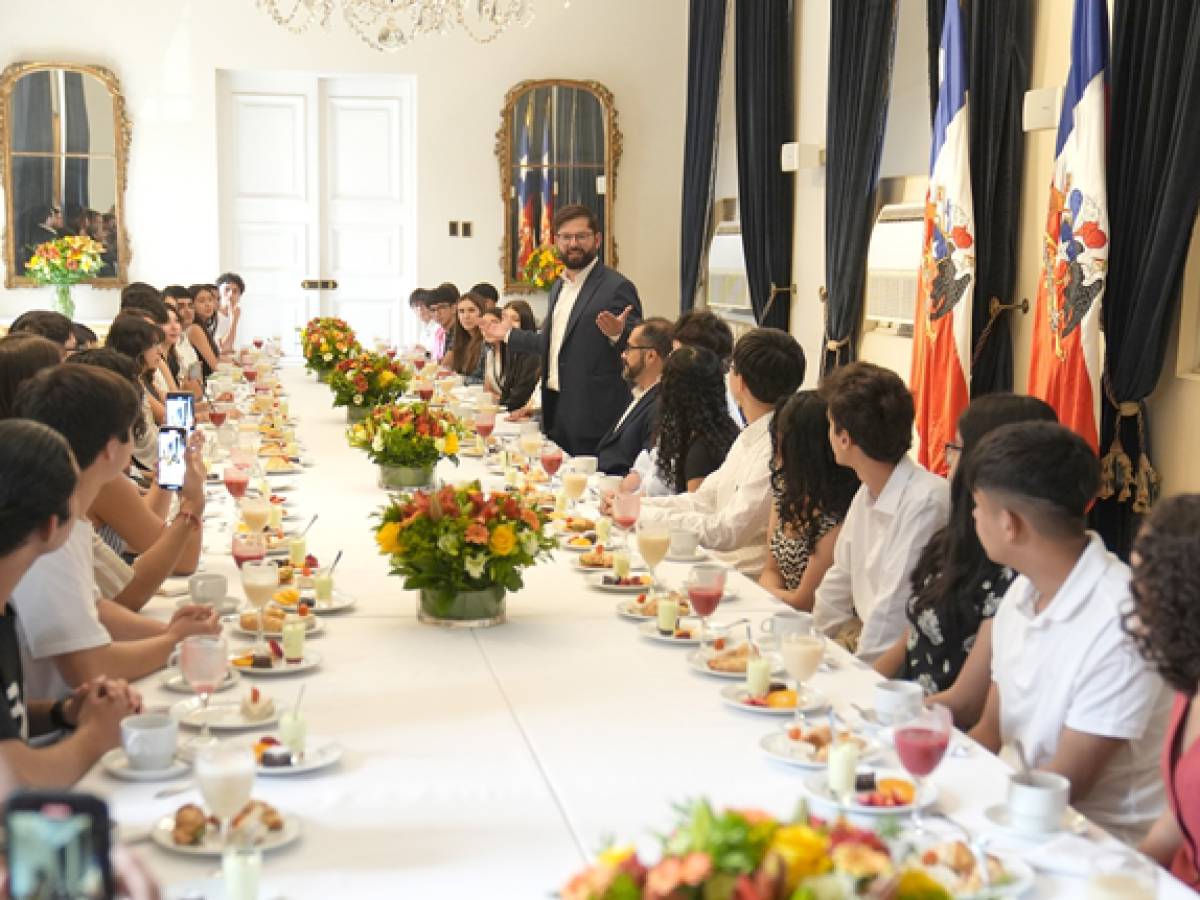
(340, 601)
(282, 487)
(595, 580)
(628, 609)
(311, 660)
(211, 846)
(318, 754)
(823, 804)
(177, 683)
(563, 545)
(289, 470)
(698, 556)
(116, 764)
(317, 627)
(222, 717)
(1022, 880)
(698, 661)
(635, 565)
(998, 816)
(780, 747)
(811, 701)
(650, 630)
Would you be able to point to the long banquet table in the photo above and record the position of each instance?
(495, 763)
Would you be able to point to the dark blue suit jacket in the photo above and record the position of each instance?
(619, 447)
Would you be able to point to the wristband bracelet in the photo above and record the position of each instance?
(57, 718)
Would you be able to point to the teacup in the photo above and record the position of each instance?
(1037, 801)
(684, 543)
(896, 701)
(149, 740)
(208, 588)
(585, 464)
(788, 621)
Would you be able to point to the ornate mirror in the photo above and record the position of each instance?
(65, 139)
(558, 143)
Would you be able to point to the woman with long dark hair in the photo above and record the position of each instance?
(203, 331)
(1165, 622)
(956, 589)
(466, 354)
(811, 496)
(694, 429)
(142, 342)
(510, 377)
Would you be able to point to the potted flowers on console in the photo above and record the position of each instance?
(463, 550)
(406, 441)
(363, 382)
(325, 341)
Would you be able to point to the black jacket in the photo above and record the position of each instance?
(518, 378)
(619, 447)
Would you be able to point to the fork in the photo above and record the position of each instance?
(174, 789)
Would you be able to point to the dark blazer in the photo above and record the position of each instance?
(619, 447)
(591, 393)
(518, 378)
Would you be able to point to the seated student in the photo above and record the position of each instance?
(201, 334)
(641, 366)
(731, 510)
(231, 287)
(418, 304)
(509, 376)
(861, 599)
(37, 479)
(51, 325)
(1166, 626)
(23, 356)
(1068, 682)
(811, 494)
(465, 355)
(443, 304)
(85, 338)
(486, 291)
(69, 634)
(955, 588)
(191, 373)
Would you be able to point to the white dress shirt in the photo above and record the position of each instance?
(1072, 665)
(638, 394)
(875, 554)
(731, 509)
(571, 288)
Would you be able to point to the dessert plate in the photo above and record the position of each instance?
(222, 717)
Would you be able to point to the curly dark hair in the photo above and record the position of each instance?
(691, 408)
(1164, 619)
(805, 478)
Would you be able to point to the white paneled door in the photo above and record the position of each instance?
(317, 182)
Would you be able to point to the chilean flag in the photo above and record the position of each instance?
(526, 233)
(941, 367)
(1066, 361)
(547, 181)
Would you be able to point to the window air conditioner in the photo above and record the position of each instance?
(893, 260)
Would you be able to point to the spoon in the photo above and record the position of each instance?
(1023, 761)
(866, 714)
(310, 524)
(336, 560)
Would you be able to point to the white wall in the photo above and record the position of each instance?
(166, 55)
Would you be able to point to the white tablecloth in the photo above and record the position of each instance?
(495, 763)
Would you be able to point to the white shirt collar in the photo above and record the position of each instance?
(1074, 592)
(582, 274)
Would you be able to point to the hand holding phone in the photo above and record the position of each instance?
(181, 410)
(172, 461)
(77, 826)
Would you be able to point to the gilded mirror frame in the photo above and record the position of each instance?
(612, 157)
(123, 133)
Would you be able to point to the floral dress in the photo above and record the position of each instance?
(937, 646)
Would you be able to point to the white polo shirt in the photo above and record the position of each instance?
(1073, 665)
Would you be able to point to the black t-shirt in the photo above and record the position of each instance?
(14, 723)
(700, 461)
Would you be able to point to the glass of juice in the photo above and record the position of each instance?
(802, 654)
(654, 539)
(248, 547)
(705, 588)
(921, 743)
(204, 662)
(626, 506)
(237, 480)
(323, 586)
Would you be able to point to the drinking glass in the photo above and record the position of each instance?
(248, 548)
(204, 662)
(485, 423)
(225, 776)
(256, 511)
(802, 652)
(921, 743)
(626, 507)
(530, 443)
(551, 459)
(260, 579)
(574, 484)
(237, 479)
(218, 414)
(654, 539)
(705, 587)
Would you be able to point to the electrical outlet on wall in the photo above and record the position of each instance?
(453, 229)
(466, 229)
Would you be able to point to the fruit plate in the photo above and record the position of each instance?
(317, 627)
(311, 660)
(650, 631)
(222, 717)
(635, 565)
(596, 580)
(319, 753)
(1016, 880)
(698, 661)
(781, 748)
(816, 789)
(163, 830)
(175, 682)
(338, 602)
(736, 695)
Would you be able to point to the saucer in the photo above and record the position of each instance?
(116, 764)
(226, 607)
(998, 815)
(698, 556)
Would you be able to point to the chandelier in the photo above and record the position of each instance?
(392, 24)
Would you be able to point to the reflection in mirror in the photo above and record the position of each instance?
(65, 136)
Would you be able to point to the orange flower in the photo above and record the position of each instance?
(477, 533)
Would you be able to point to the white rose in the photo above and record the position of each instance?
(529, 542)
(358, 399)
(328, 357)
(475, 565)
(377, 442)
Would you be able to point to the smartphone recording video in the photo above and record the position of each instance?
(181, 410)
(58, 846)
(172, 466)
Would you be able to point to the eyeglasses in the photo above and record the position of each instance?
(952, 448)
(577, 238)
(637, 347)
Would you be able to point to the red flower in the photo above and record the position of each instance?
(510, 508)
(477, 533)
(529, 517)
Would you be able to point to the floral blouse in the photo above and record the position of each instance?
(937, 648)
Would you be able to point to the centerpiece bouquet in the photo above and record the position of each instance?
(365, 381)
(406, 441)
(325, 341)
(462, 549)
(63, 262)
(542, 268)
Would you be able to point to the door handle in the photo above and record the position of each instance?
(318, 284)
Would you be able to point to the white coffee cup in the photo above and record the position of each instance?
(208, 588)
(149, 740)
(1036, 802)
(788, 621)
(896, 701)
(584, 464)
(684, 543)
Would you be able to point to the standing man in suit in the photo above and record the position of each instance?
(582, 389)
(644, 356)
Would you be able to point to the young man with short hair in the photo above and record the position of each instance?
(896, 510)
(731, 509)
(49, 324)
(1068, 681)
(230, 288)
(37, 479)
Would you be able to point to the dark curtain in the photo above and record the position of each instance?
(78, 140)
(764, 123)
(935, 13)
(32, 176)
(579, 141)
(1153, 188)
(862, 40)
(998, 78)
(706, 40)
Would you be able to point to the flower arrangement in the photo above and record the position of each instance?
(63, 262)
(411, 435)
(366, 380)
(749, 855)
(326, 341)
(457, 539)
(543, 268)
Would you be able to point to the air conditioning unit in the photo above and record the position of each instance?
(893, 261)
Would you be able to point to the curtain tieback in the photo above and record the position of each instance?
(775, 292)
(995, 308)
(1117, 475)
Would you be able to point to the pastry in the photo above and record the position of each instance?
(732, 660)
(596, 558)
(285, 574)
(579, 524)
(256, 706)
(190, 825)
(267, 814)
(277, 757)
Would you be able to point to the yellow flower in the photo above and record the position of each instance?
(504, 540)
(451, 443)
(803, 850)
(614, 856)
(386, 378)
(388, 538)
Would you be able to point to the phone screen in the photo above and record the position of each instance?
(181, 411)
(172, 467)
(59, 850)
